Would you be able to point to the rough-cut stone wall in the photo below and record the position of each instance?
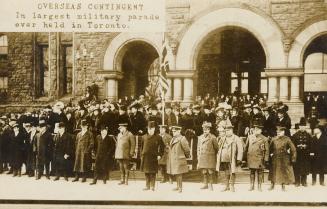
(20, 65)
(96, 43)
(292, 14)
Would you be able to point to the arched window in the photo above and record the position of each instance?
(3, 45)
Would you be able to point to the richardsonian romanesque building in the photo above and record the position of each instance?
(272, 47)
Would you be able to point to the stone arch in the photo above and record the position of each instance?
(302, 40)
(113, 55)
(269, 35)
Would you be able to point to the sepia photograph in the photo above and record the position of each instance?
(163, 103)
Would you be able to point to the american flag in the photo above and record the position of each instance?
(164, 66)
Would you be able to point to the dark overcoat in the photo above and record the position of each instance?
(283, 154)
(319, 154)
(302, 142)
(17, 149)
(105, 151)
(179, 151)
(44, 147)
(83, 152)
(62, 145)
(153, 147)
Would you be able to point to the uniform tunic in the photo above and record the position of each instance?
(207, 149)
(257, 151)
(179, 150)
(166, 139)
(125, 146)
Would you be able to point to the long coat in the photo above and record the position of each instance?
(269, 126)
(62, 145)
(125, 147)
(153, 147)
(319, 151)
(256, 151)
(105, 151)
(281, 168)
(179, 150)
(207, 149)
(43, 147)
(83, 152)
(285, 122)
(302, 142)
(17, 148)
(234, 149)
(166, 138)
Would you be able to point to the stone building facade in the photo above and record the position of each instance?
(198, 34)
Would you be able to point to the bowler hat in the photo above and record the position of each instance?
(303, 122)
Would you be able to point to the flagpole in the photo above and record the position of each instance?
(163, 106)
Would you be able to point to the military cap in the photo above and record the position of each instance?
(123, 124)
(163, 126)
(281, 128)
(176, 127)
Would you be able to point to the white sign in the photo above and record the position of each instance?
(82, 16)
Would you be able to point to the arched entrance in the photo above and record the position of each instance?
(138, 66)
(315, 76)
(230, 57)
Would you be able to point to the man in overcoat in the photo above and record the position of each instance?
(318, 155)
(125, 149)
(152, 150)
(63, 151)
(207, 149)
(179, 151)
(104, 155)
(83, 152)
(229, 156)
(44, 149)
(283, 154)
(17, 140)
(302, 141)
(166, 138)
(256, 154)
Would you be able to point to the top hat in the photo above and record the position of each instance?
(303, 122)
(84, 123)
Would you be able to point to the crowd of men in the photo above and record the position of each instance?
(211, 135)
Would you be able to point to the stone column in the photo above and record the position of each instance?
(169, 93)
(272, 89)
(112, 89)
(295, 89)
(188, 90)
(283, 88)
(177, 89)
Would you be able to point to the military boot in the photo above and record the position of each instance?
(252, 178)
(205, 182)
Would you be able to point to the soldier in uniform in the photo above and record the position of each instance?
(281, 166)
(83, 152)
(229, 156)
(63, 150)
(302, 142)
(153, 149)
(104, 155)
(125, 149)
(166, 138)
(256, 154)
(179, 151)
(207, 149)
